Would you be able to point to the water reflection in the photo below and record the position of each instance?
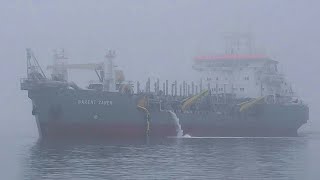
(274, 158)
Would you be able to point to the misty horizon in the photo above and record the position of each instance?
(149, 36)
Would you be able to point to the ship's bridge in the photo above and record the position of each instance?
(244, 75)
(209, 63)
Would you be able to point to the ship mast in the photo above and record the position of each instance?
(239, 43)
(59, 70)
(109, 82)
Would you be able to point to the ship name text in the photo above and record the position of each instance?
(95, 102)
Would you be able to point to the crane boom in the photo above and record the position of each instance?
(91, 66)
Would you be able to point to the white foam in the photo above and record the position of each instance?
(178, 126)
(200, 137)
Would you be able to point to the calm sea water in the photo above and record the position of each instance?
(172, 158)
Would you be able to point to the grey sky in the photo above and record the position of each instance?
(153, 37)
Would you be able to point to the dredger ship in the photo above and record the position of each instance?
(237, 95)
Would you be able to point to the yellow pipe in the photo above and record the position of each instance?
(188, 102)
(148, 119)
(246, 105)
(145, 109)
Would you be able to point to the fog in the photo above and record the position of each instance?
(152, 38)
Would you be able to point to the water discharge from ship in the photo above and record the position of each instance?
(178, 125)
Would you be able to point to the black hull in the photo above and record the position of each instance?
(82, 113)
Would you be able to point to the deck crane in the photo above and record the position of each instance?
(98, 68)
(110, 79)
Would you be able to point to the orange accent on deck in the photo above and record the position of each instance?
(231, 57)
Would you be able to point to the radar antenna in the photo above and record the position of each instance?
(111, 54)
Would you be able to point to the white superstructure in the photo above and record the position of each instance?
(249, 76)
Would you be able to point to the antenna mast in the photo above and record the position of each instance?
(237, 43)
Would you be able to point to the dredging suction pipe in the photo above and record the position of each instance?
(191, 100)
(148, 119)
(248, 104)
